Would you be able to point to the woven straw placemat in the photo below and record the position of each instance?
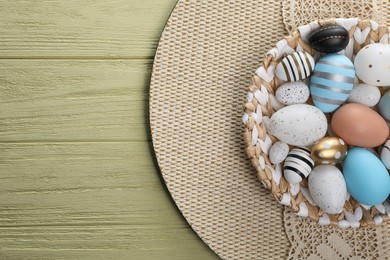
(205, 59)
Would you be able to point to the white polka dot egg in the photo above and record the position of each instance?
(372, 64)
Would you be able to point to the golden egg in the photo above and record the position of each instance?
(329, 150)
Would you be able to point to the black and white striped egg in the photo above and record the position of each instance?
(296, 66)
(298, 165)
(385, 154)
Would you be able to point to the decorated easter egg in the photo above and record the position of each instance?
(332, 82)
(294, 67)
(328, 189)
(298, 165)
(299, 125)
(372, 64)
(278, 152)
(385, 154)
(293, 93)
(359, 125)
(329, 150)
(365, 94)
(384, 105)
(329, 38)
(367, 179)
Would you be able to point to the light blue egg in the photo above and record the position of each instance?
(367, 179)
(384, 106)
(332, 81)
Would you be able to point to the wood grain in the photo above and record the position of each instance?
(74, 100)
(87, 28)
(88, 201)
(77, 173)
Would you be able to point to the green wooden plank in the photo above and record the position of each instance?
(87, 28)
(74, 100)
(89, 201)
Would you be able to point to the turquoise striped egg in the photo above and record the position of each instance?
(332, 82)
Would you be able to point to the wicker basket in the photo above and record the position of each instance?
(260, 106)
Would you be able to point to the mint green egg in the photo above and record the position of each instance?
(384, 106)
(366, 177)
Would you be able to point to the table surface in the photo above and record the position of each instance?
(78, 178)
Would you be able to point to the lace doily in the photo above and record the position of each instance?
(298, 12)
(314, 242)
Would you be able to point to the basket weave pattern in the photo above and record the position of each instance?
(261, 104)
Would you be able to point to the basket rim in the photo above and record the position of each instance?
(260, 105)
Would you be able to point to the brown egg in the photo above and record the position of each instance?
(329, 150)
(359, 125)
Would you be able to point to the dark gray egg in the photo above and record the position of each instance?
(329, 38)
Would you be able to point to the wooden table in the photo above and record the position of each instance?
(77, 175)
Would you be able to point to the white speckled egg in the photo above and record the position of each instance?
(328, 188)
(365, 94)
(385, 154)
(293, 93)
(278, 152)
(299, 125)
(372, 64)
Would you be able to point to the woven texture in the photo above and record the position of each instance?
(299, 12)
(204, 61)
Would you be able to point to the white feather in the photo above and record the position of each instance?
(347, 23)
(359, 213)
(324, 220)
(266, 144)
(276, 105)
(259, 114)
(278, 173)
(262, 162)
(374, 25)
(295, 188)
(255, 135)
(249, 97)
(274, 53)
(264, 90)
(256, 118)
(265, 184)
(266, 75)
(245, 118)
(274, 174)
(385, 39)
(260, 96)
(360, 36)
(381, 208)
(303, 210)
(350, 217)
(286, 199)
(378, 220)
(344, 224)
